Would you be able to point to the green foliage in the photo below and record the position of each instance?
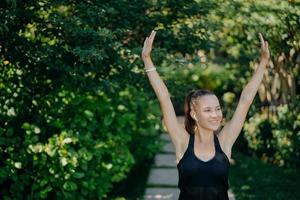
(275, 139)
(234, 33)
(228, 65)
(70, 119)
(74, 103)
(182, 77)
(79, 145)
(76, 112)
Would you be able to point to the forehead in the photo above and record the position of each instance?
(207, 101)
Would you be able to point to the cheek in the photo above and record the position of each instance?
(203, 115)
(221, 114)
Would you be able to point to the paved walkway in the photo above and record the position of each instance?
(163, 177)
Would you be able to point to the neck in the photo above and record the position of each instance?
(204, 135)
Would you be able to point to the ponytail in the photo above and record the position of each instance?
(189, 122)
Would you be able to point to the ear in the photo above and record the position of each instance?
(192, 113)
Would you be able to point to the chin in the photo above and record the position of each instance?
(214, 128)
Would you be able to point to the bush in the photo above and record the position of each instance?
(78, 144)
(275, 139)
(73, 116)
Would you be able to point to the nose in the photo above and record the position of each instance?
(215, 114)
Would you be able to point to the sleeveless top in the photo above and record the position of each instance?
(203, 180)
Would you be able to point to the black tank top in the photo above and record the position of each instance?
(203, 180)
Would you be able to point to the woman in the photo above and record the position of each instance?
(202, 155)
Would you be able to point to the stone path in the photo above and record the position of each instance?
(163, 177)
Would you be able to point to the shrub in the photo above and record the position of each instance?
(275, 139)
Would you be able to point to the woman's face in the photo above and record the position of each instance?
(206, 109)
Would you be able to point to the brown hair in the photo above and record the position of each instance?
(189, 122)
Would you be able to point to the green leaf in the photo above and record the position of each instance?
(70, 186)
(83, 122)
(88, 114)
(26, 126)
(10, 131)
(78, 175)
(43, 182)
(44, 192)
(107, 120)
(3, 172)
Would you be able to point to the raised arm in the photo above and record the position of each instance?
(232, 129)
(157, 84)
(175, 130)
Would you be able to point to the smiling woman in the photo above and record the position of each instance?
(202, 149)
(202, 109)
(204, 153)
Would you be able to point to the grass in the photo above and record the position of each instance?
(251, 178)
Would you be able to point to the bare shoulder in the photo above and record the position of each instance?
(180, 140)
(182, 145)
(226, 148)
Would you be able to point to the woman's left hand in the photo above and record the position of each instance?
(264, 52)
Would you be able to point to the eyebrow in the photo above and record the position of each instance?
(210, 107)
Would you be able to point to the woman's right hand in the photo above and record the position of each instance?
(148, 45)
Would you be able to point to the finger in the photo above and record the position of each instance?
(148, 41)
(267, 45)
(153, 34)
(145, 40)
(151, 38)
(150, 35)
(261, 40)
